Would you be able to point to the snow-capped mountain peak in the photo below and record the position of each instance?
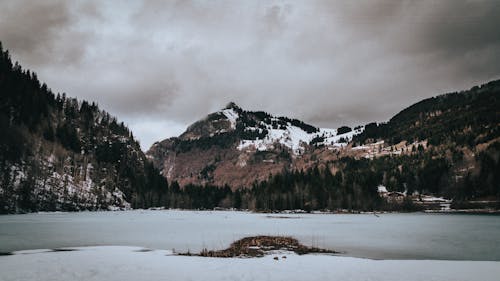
(257, 130)
(295, 137)
(260, 131)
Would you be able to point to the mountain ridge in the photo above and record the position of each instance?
(458, 130)
(235, 137)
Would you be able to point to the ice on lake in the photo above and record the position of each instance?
(386, 236)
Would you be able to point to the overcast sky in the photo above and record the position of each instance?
(161, 65)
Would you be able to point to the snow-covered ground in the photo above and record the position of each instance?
(133, 263)
(294, 138)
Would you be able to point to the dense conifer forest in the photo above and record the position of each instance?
(466, 118)
(59, 153)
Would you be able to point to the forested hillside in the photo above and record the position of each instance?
(463, 118)
(352, 184)
(59, 153)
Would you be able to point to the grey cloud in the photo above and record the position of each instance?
(91, 10)
(31, 28)
(42, 32)
(466, 26)
(161, 65)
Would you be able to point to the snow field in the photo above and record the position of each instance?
(133, 263)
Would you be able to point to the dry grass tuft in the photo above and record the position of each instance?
(258, 246)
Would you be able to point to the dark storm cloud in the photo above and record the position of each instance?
(160, 65)
(467, 26)
(42, 32)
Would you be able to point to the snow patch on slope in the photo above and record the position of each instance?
(231, 115)
(71, 187)
(333, 139)
(296, 138)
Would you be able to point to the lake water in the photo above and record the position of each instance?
(388, 236)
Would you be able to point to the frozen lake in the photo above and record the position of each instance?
(388, 236)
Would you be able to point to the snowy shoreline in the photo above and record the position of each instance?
(478, 211)
(451, 211)
(136, 263)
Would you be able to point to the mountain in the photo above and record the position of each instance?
(59, 153)
(463, 118)
(447, 146)
(236, 147)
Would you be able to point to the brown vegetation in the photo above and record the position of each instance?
(258, 246)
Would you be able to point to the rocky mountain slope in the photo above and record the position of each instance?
(238, 147)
